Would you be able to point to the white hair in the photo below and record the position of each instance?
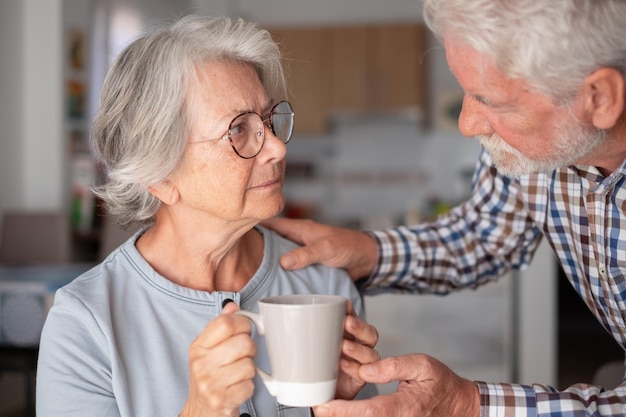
(141, 128)
(552, 44)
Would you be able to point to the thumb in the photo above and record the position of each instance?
(230, 307)
(298, 258)
(390, 369)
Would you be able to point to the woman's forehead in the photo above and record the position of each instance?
(229, 86)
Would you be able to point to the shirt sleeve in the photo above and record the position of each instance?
(474, 243)
(580, 400)
(73, 372)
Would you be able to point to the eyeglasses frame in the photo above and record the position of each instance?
(266, 122)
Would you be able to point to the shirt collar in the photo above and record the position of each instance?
(598, 182)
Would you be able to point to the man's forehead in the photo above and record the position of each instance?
(477, 74)
(462, 56)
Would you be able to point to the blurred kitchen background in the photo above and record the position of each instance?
(376, 145)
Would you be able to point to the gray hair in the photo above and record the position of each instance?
(141, 128)
(552, 44)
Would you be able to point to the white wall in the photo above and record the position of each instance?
(31, 127)
(537, 328)
(44, 152)
(214, 7)
(11, 102)
(290, 13)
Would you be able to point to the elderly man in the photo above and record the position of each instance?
(544, 85)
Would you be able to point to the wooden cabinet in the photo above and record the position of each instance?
(398, 66)
(349, 67)
(304, 64)
(377, 68)
(355, 69)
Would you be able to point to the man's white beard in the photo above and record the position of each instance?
(574, 141)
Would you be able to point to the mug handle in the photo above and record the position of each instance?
(266, 378)
(255, 318)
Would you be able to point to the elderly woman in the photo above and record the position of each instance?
(192, 128)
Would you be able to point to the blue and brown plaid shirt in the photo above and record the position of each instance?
(580, 212)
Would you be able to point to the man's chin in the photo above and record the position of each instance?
(513, 167)
(527, 169)
(512, 163)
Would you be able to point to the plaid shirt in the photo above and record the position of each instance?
(582, 215)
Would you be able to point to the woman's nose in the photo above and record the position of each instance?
(273, 148)
(472, 121)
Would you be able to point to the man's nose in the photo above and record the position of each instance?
(472, 121)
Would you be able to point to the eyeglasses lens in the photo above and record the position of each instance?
(282, 121)
(247, 132)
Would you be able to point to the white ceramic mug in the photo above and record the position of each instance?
(303, 334)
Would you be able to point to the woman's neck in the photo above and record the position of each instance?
(202, 260)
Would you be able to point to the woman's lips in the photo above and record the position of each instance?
(269, 183)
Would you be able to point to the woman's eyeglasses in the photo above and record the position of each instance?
(246, 132)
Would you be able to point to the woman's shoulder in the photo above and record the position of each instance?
(333, 277)
(97, 284)
(282, 245)
(282, 242)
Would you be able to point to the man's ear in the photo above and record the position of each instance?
(165, 191)
(603, 97)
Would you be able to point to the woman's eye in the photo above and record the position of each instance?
(237, 130)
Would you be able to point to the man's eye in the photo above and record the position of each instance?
(481, 100)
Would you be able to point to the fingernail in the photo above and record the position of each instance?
(287, 261)
(320, 410)
(226, 301)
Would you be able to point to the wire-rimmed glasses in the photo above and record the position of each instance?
(246, 132)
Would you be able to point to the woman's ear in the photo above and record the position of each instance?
(165, 191)
(603, 97)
